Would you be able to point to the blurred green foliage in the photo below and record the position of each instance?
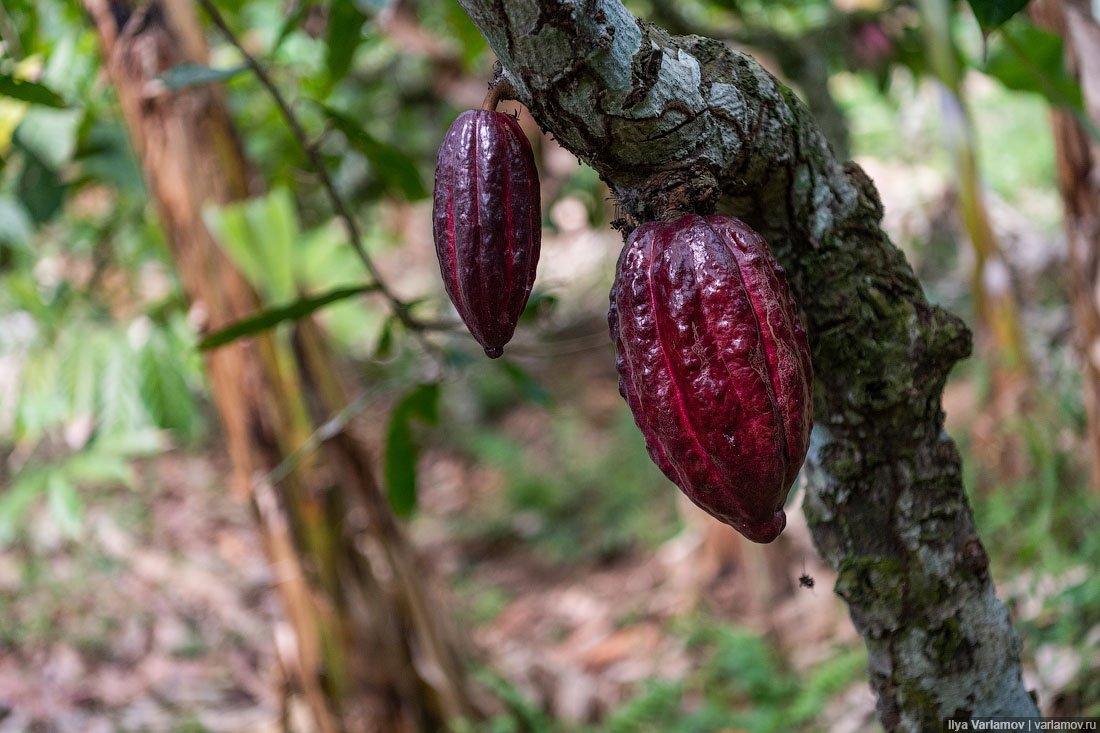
(579, 495)
(740, 684)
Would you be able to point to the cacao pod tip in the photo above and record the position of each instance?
(766, 532)
(494, 352)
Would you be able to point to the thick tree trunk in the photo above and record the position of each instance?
(659, 116)
(1079, 181)
(369, 651)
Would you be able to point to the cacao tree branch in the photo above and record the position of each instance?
(659, 116)
(803, 59)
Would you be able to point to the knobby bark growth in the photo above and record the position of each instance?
(660, 116)
(368, 650)
(1078, 157)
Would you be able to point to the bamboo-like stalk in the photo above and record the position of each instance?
(367, 645)
(991, 284)
(1078, 156)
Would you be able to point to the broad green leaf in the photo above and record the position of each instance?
(16, 229)
(396, 169)
(272, 317)
(122, 411)
(134, 444)
(64, 502)
(273, 222)
(345, 32)
(402, 450)
(992, 14)
(29, 91)
(183, 76)
(82, 355)
(384, 347)
(39, 187)
(16, 499)
(97, 466)
(538, 305)
(230, 225)
(104, 155)
(40, 406)
(12, 113)
(1029, 59)
(51, 134)
(164, 388)
(260, 235)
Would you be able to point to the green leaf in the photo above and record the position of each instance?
(259, 235)
(1029, 59)
(273, 222)
(104, 154)
(345, 26)
(992, 14)
(51, 134)
(135, 443)
(384, 347)
(39, 187)
(29, 91)
(230, 225)
(272, 317)
(64, 502)
(16, 500)
(15, 225)
(164, 387)
(396, 169)
(540, 304)
(402, 450)
(293, 20)
(97, 466)
(184, 76)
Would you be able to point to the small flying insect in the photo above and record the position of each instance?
(804, 580)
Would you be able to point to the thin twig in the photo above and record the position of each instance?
(326, 431)
(400, 307)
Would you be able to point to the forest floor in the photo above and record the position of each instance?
(163, 616)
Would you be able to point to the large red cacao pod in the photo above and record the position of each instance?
(713, 361)
(487, 222)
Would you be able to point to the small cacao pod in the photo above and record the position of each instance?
(714, 363)
(487, 222)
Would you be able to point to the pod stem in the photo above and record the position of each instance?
(498, 90)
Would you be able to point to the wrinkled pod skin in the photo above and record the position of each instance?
(714, 363)
(487, 222)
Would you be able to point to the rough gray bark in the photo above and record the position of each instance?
(687, 120)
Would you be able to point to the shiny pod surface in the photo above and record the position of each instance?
(487, 223)
(714, 363)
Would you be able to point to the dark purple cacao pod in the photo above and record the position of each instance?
(713, 361)
(487, 221)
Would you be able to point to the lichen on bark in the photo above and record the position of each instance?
(885, 498)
